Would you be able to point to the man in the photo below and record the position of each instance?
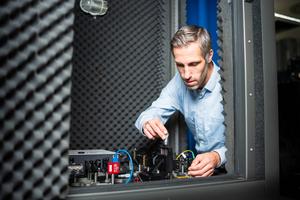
(195, 92)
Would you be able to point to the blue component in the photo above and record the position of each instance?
(115, 158)
(130, 162)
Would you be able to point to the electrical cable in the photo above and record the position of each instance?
(130, 163)
(138, 175)
(193, 155)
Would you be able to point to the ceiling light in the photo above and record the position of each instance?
(94, 7)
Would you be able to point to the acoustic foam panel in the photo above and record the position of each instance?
(121, 62)
(35, 79)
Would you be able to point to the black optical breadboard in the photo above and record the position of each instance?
(121, 62)
(35, 87)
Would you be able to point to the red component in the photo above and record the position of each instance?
(136, 179)
(113, 167)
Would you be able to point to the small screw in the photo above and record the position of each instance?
(250, 94)
(251, 149)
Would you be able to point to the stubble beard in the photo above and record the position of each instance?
(201, 80)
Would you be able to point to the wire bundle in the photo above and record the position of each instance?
(130, 163)
(183, 154)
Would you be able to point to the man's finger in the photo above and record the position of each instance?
(148, 130)
(162, 127)
(197, 160)
(156, 126)
(158, 131)
(148, 134)
(194, 163)
(200, 170)
(199, 167)
(207, 173)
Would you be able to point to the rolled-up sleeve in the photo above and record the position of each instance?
(163, 107)
(221, 151)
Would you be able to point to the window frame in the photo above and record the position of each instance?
(242, 180)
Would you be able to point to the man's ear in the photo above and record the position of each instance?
(209, 56)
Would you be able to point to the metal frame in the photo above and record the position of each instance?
(244, 185)
(249, 90)
(239, 88)
(270, 98)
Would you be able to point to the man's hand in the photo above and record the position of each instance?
(204, 164)
(155, 128)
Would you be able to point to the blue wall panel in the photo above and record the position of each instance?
(203, 13)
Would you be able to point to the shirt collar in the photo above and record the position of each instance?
(210, 85)
(212, 82)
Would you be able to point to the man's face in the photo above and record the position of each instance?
(192, 66)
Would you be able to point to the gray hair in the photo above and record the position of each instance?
(188, 34)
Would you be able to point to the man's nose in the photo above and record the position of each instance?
(186, 72)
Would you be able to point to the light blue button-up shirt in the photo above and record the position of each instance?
(202, 110)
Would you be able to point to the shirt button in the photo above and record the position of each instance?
(201, 94)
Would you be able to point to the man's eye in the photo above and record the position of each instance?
(179, 65)
(194, 64)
